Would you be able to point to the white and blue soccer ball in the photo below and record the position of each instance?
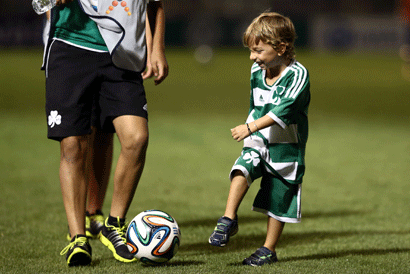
(153, 236)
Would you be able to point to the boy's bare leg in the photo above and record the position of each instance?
(239, 188)
(226, 228)
(99, 162)
(73, 181)
(274, 231)
(132, 133)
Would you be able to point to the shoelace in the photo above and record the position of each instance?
(120, 230)
(262, 254)
(221, 227)
(81, 241)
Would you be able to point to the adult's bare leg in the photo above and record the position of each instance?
(73, 181)
(132, 133)
(99, 162)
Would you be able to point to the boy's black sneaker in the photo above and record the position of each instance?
(224, 229)
(114, 238)
(261, 256)
(78, 251)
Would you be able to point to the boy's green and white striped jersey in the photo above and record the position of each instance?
(286, 102)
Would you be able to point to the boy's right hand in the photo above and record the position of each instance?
(240, 132)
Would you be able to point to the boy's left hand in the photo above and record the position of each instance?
(240, 132)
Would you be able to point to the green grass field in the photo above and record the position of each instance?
(356, 193)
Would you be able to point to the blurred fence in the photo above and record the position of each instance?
(320, 24)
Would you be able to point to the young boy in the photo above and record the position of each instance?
(275, 135)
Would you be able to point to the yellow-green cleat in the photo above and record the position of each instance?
(114, 238)
(93, 224)
(78, 251)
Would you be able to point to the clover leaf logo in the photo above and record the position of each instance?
(280, 90)
(54, 118)
(252, 157)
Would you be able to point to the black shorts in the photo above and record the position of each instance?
(82, 84)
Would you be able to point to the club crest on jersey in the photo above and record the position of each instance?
(279, 90)
(276, 101)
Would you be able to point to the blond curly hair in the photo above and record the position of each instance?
(272, 28)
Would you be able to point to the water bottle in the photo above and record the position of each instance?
(41, 6)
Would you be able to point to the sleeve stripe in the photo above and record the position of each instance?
(293, 83)
(301, 75)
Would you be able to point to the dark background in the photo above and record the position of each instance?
(213, 22)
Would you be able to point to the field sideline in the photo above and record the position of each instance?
(355, 194)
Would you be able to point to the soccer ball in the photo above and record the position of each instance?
(153, 236)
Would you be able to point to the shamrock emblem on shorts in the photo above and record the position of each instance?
(252, 157)
(54, 118)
